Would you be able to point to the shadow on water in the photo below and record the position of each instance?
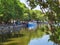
(6, 37)
(14, 44)
(21, 37)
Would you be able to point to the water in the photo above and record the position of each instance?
(28, 37)
(41, 41)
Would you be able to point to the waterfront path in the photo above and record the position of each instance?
(10, 28)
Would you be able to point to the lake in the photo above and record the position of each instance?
(41, 41)
(28, 37)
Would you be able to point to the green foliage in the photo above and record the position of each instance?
(11, 9)
(52, 14)
(32, 14)
(53, 6)
(36, 14)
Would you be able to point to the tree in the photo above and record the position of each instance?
(36, 14)
(33, 14)
(11, 9)
(52, 13)
(52, 7)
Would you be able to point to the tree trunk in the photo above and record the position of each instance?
(51, 26)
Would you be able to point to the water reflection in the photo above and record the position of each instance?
(23, 37)
(29, 37)
(41, 41)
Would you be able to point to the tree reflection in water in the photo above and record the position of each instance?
(54, 36)
(27, 35)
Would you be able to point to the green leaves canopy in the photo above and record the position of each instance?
(11, 9)
(52, 5)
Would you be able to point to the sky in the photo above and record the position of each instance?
(24, 1)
